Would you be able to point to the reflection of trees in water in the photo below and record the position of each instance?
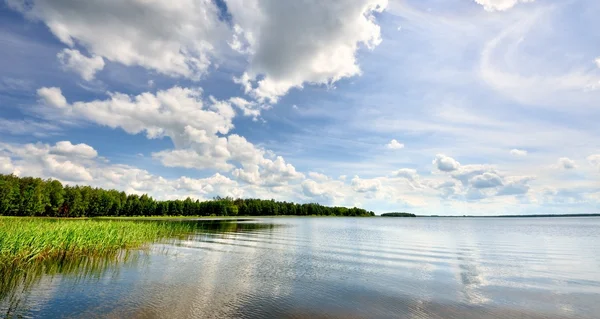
(18, 280)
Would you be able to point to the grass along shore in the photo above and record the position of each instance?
(28, 240)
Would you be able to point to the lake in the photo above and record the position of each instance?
(339, 268)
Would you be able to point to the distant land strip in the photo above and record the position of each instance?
(515, 216)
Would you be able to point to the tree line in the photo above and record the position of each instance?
(398, 215)
(30, 196)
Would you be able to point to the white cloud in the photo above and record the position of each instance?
(500, 5)
(566, 163)
(52, 97)
(518, 153)
(324, 192)
(598, 62)
(66, 170)
(318, 176)
(248, 108)
(486, 180)
(176, 40)
(466, 173)
(67, 149)
(193, 125)
(515, 186)
(40, 160)
(292, 43)
(6, 166)
(73, 60)
(408, 173)
(365, 185)
(445, 163)
(394, 145)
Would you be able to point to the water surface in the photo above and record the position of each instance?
(344, 268)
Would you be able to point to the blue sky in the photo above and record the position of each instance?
(435, 107)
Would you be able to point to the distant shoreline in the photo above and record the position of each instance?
(515, 216)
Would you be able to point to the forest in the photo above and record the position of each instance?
(30, 196)
(398, 215)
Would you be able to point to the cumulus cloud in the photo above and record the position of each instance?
(41, 160)
(466, 173)
(6, 166)
(318, 176)
(325, 192)
(515, 186)
(86, 67)
(408, 173)
(176, 40)
(445, 163)
(67, 149)
(251, 109)
(268, 173)
(297, 42)
(486, 180)
(598, 62)
(500, 5)
(52, 97)
(365, 185)
(566, 163)
(518, 153)
(199, 129)
(395, 145)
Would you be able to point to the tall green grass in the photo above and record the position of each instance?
(28, 240)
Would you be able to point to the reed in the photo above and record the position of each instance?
(28, 240)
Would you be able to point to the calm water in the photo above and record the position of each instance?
(344, 268)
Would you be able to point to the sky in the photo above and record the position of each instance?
(453, 107)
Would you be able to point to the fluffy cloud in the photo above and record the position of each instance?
(566, 163)
(297, 42)
(365, 185)
(67, 149)
(518, 153)
(486, 180)
(395, 145)
(466, 173)
(598, 62)
(445, 163)
(6, 166)
(515, 186)
(500, 5)
(407, 173)
(53, 97)
(86, 67)
(478, 182)
(327, 192)
(318, 176)
(287, 43)
(268, 173)
(194, 126)
(172, 39)
(248, 108)
(42, 160)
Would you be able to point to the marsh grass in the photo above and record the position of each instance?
(29, 240)
(31, 248)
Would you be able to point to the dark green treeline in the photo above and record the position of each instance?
(29, 196)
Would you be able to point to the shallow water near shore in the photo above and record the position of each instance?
(338, 268)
